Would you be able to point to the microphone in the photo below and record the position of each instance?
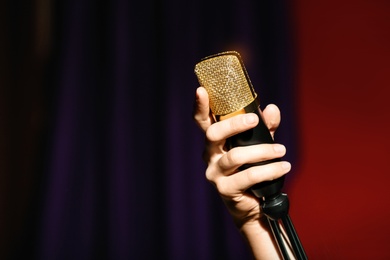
(231, 92)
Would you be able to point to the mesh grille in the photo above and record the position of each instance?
(225, 79)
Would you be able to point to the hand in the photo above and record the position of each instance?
(231, 183)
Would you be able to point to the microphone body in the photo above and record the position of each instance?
(231, 92)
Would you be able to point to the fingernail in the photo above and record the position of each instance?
(197, 94)
(250, 119)
(279, 148)
(286, 165)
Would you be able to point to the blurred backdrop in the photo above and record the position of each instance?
(100, 157)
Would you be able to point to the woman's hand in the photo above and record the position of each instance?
(231, 183)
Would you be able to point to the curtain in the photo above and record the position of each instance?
(121, 174)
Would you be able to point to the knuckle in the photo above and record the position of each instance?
(211, 134)
(222, 188)
(232, 157)
(210, 175)
(251, 175)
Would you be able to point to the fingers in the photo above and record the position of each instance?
(230, 182)
(241, 181)
(232, 126)
(239, 156)
(203, 118)
(201, 112)
(217, 133)
(223, 165)
(271, 115)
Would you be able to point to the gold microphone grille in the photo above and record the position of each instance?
(224, 77)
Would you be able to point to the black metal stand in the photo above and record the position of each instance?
(276, 210)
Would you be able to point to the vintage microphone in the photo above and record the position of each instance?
(231, 93)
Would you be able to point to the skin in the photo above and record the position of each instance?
(232, 184)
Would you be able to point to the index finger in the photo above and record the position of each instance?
(231, 126)
(201, 112)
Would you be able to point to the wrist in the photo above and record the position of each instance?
(257, 226)
(258, 236)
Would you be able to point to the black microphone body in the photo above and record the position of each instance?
(258, 135)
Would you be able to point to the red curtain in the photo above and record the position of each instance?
(340, 199)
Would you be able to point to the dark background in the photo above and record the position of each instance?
(100, 158)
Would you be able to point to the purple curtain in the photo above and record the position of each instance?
(122, 175)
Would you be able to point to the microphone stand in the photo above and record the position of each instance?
(276, 208)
